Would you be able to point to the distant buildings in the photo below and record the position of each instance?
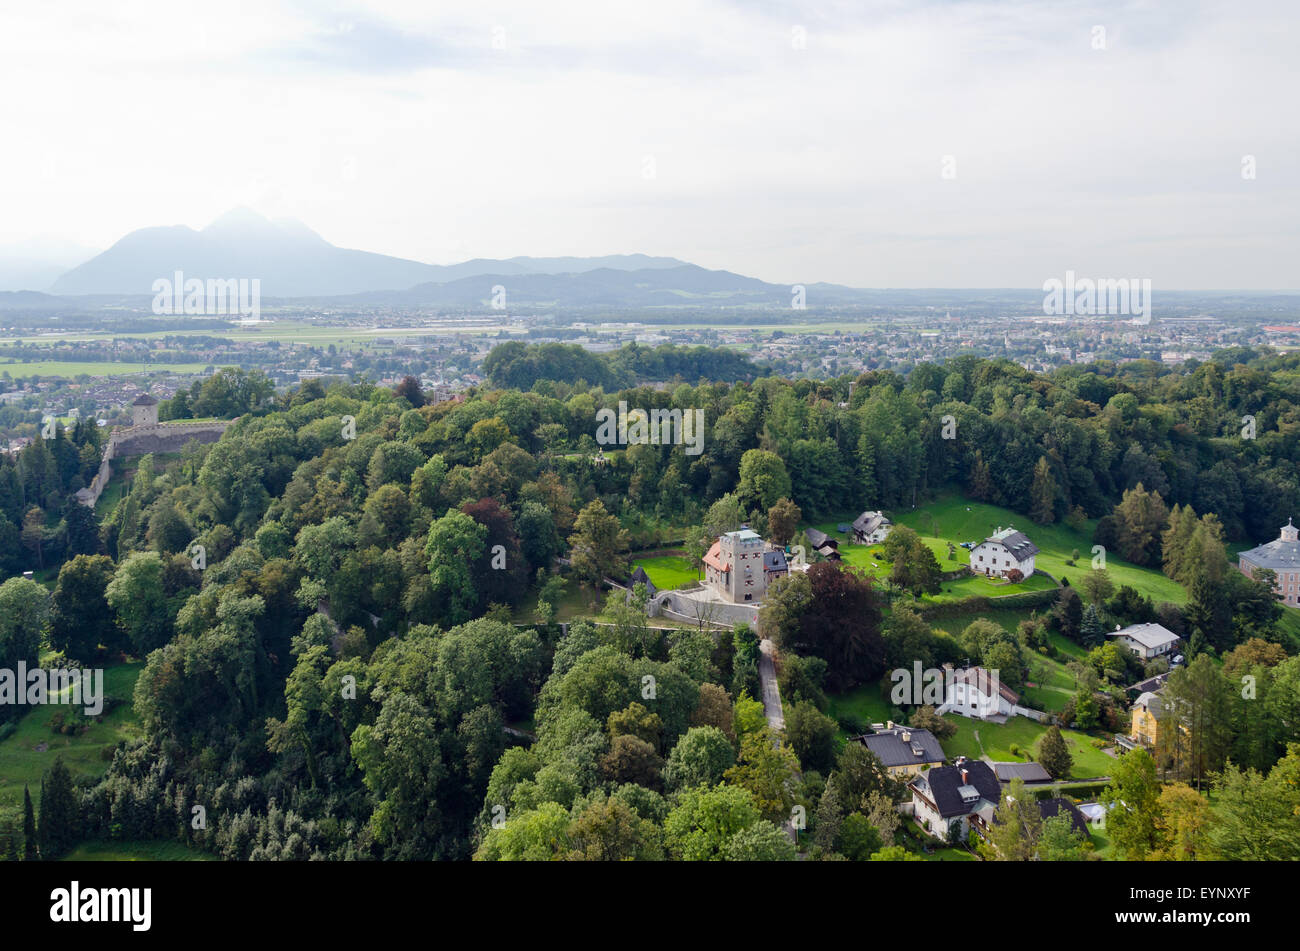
(1004, 551)
(740, 566)
(1281, 556)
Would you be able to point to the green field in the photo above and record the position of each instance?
(866, 704)
(952, 518)
(22, 763)
(995, 742)
(668, 571)
(136, 852)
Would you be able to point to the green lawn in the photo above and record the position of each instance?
(995, 742)
(953, 518)
(668, 572)
(91, 368)
(136, 852)
(22, 763)
(866, 704)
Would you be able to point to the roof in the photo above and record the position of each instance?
(868, 522)
(1017, 543)
(144, 399)
(1281, 553)
(714, 558)
(1048, 808)
(1150, 635)
(819, 539)
(774, 560)
(1029, 772)
(1152, 703)
(890, 747)
(745, 535)
(639, 576)
(983, 681)
(1151, 684)
(942, 785)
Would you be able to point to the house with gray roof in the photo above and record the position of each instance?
(870, 528)
(1146, 640)
(1004, 551)
(1028, 773)
(904, 751)
(1282, 557)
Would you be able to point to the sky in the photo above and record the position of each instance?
(875, 144)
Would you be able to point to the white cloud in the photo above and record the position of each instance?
(399, 128)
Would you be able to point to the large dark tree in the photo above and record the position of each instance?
(833, 613)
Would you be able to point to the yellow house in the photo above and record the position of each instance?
(1148, 712)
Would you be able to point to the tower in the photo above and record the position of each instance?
(144, 411)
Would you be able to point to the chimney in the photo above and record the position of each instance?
(965, 777)
(889, 724)
(907, 736)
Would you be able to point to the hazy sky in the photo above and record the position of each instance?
(788, 141)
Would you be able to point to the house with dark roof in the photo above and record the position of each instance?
(1004, 551)
(870, 527)
(948, 801)
(823, 544)
(1029, 773)
(1049, 808)
(904, 751)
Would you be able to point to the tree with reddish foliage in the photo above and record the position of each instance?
(409, 390)
(834, 612)
(500, 573)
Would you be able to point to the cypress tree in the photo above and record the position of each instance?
(29, 827)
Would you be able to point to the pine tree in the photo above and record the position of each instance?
(60, 822)
(981, 482)
(29, 827)
(1053, 754)
(1091, 629)
(1042, 494)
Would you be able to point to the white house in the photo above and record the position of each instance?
(1003, 551)
(1146, 640)
(977, 693)
(949, 800)
(870, 528)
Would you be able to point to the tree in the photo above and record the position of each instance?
(1059, 841)
(783, 521)
(812, 736)
(1254, 816)
(1043, 493)
(831, 612)
(715, 710)
(1132, 803)
(701, 758)
(704, 820)
(60, 819)
(895, 853)
(1199, 703)
(858, 838)
(1096, 585)
(1053, 754)
(632, 760)
(925, 718)
(1181, 824)
(1140, 516)
(139, 602)
(80, 618)
(611, 831)
(761, 842)
(29, 827)
(763, 479)
(409, 390)
(597, 545)
(913, 563)
(455, 544)
(24, 611)
(1017, 825)
(766, 768)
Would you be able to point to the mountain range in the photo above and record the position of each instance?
(292, 261)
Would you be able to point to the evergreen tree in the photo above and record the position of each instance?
(1091, 629)
(1054, 755)
(60, 818)
(29, 827)
(1042, 494)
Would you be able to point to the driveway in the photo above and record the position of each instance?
(771, 695)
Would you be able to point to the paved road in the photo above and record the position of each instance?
(771, 695)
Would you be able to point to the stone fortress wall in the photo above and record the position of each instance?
(155, 437)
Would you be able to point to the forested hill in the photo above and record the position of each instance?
(519, 366)
(334, 679)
